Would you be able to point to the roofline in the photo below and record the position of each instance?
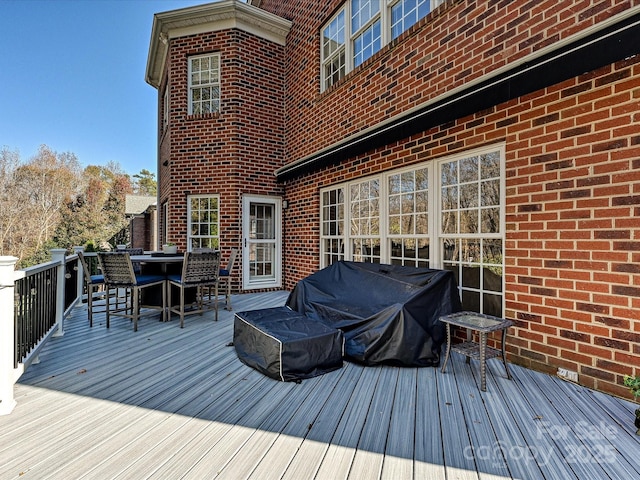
(609, 41)
(211, 17)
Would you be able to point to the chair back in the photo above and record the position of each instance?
(85, 268)
(137, 268)
(232, 259)
(117, 268)
(201, 267)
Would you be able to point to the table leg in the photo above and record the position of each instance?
(483, 361)
(446, 357)
(469, 338)
(504, 354)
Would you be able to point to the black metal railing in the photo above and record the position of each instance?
(35, 308)
(70, 281)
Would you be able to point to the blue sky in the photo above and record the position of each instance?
(72, 77)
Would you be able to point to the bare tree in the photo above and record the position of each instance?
(12, 210)
(32, 197)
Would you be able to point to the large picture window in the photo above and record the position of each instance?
(203, 221)
(360, 28)
(445, 214)
(204, 84)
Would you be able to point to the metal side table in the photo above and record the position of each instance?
(483, 324)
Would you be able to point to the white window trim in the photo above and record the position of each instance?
(384, 15)
(190, 87)
(189, 235)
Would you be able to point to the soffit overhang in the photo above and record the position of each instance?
(608, 42)
(211, 17)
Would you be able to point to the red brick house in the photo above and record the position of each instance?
(497, 139)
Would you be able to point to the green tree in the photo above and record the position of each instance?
(145, 183)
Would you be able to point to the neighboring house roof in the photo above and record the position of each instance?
(137, 204)
(212, 17)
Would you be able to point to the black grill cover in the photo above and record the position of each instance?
(389, 314)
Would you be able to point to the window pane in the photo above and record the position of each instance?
(333, 35)
(362, 11)
(406, 13)
(469, 195)
(367, 43)
(490, 165)
(490, 193)
(491, 220)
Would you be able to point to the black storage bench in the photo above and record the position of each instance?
(286, 345)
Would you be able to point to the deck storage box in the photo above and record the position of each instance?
(286, 345)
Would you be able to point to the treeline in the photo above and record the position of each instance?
(49, 201)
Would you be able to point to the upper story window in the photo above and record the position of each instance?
(204, 84)
(165, 107)
(362, 27)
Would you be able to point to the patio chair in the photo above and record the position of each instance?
(200, 270)
(93, 284)
(137, 268)
(225, 277)
(119, 273)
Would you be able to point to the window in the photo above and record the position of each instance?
(203, 222)
(408, 212)
(366, 28)
(365, 221)
(333, 50)
(406, 13)
(332, 219)
(361, 28)
(204, 84)
(165, 107)
(446, 214)
(471, 231)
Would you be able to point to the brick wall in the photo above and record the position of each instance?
(572, 167)
(231, 153)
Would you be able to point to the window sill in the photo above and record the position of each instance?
(204, 116)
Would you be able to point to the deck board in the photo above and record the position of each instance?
(171, 403)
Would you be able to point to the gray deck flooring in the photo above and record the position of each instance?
(171, 403)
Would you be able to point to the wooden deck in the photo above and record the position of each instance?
(170, 403)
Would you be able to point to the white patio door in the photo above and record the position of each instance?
(262, 252)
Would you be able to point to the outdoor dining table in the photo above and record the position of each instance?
(154, 260)
(157, 263)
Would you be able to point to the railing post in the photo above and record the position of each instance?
(7, 333)
(80, 276)
(57, 255)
